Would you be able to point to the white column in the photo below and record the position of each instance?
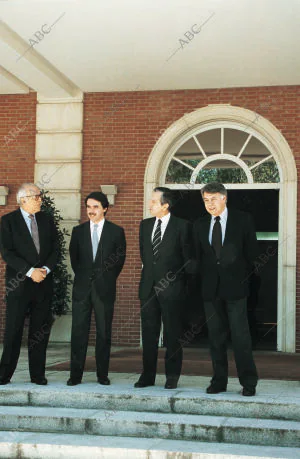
(58, 169)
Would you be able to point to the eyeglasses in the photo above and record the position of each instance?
(36, 197)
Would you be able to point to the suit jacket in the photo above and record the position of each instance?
(109, 261)
(238, 254)
(167, 273)
(18, 250)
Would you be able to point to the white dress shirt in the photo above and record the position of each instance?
(164, 222)
(99, 229)
(223, 220)
(28, 223)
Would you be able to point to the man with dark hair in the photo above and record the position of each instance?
(29, 246)
(97, 251)
(165, 248)
(213, 187)
(100, 197)
(226, 248)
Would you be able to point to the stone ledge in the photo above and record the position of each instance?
(4, 190)
(55, 446)
(169, 426)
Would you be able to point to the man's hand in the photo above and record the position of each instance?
(38, 275)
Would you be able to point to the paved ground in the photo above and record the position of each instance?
(57, 353)
(197, 362)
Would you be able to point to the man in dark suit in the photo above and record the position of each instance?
(226, 249)
(28, 245)
(165, 248)
(97, 251)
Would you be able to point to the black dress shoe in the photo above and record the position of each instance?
(4, 381)
(73, 382)
(215, 389)
(105, 381)
(39, 381)
(248, 392)
(171, 384)
(143, 384)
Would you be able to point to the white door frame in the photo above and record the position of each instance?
(216, 115)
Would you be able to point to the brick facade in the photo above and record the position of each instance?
(120, 130)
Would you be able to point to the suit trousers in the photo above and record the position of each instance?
(34, 301)
(224, 317)
(81, 320)
(153, 310)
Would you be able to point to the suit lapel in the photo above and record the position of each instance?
(24, 231)
(88, 240)
(42, 234)
(230, 226)
(148, 235)
(205, 229)
(149, 231)
(105, 235)
(167, 234)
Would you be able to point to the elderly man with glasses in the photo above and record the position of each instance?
(28, 245)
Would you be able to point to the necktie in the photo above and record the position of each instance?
(156, 239)
(95, 240)
(216, 240)
(34, 233)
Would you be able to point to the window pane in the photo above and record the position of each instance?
(234, 141)
(189, 150)
(222, 171)
(266, 172)
(210, 141)
(177, 173)
(255, 151)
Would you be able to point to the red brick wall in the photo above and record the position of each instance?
(17, 153)
(120, 130)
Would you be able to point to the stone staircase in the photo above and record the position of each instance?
(118, 421)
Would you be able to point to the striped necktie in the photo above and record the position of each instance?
(156, 239)
(34, 233)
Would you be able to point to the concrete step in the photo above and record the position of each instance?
(154, 399)
(30, 445)
(219, 429)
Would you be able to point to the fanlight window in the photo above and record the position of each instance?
(222, 154)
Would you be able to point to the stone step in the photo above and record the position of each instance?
(154, 399)
(173, 426)
(30, 445)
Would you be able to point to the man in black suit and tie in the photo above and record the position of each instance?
(97, 251)
(28, 245)
(226, 248)
(165, 248)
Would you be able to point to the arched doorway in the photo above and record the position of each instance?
(268, 147)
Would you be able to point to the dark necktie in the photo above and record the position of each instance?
(216, 240)
(34, 233)
(156, 239)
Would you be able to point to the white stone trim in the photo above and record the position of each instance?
(230, 116)
(61, 118)
(14, 80)
(47, 70)
(58, 100)
(4, 190)
(229, 186)
(58, 169)
(222, 156)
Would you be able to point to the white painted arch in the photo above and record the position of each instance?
(213, 116)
